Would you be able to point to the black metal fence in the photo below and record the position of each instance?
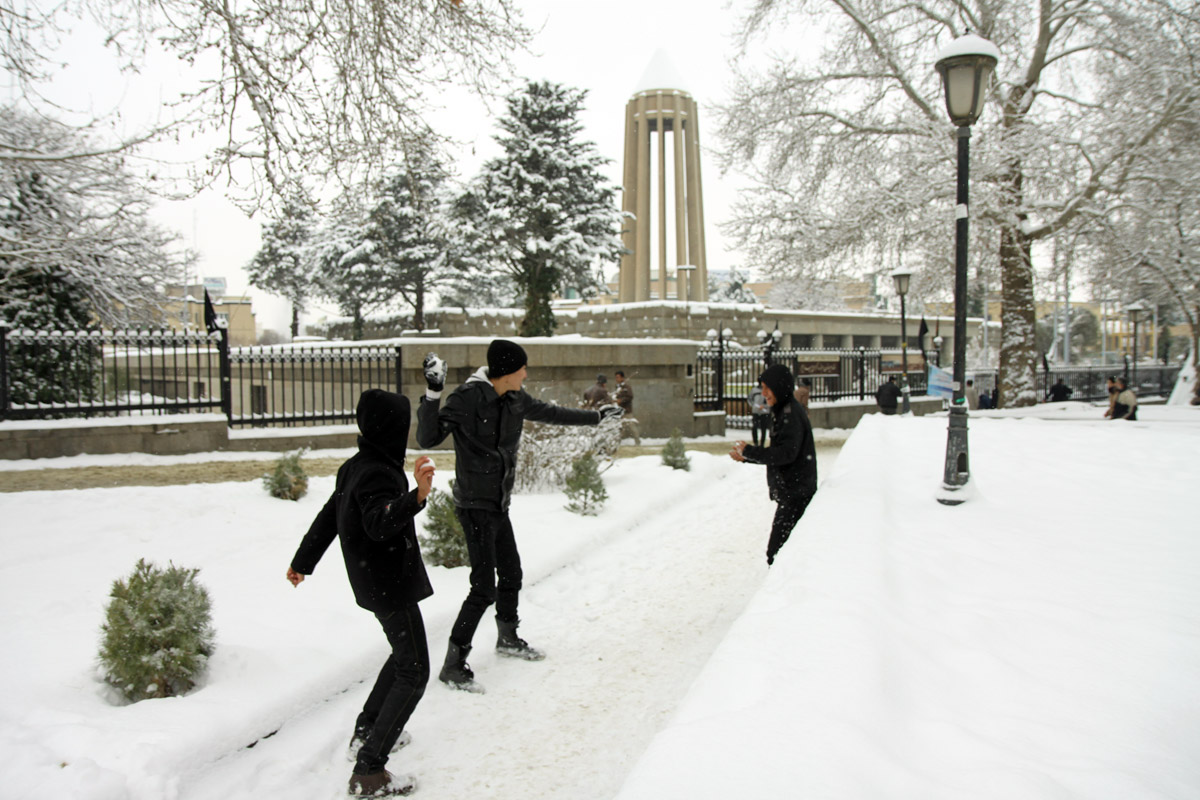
(94, 373)
(725, 378)
(1089, 383)
(55, 374)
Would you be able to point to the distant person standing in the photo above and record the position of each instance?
(760, 416)
(597, 394)
(972, 395)
(888, 396)
(803, 392)
(791, 459)
(1110, 386)
(1124, 402)
(623, 397)
(1060, 392)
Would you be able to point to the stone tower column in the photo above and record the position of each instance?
(654, 110)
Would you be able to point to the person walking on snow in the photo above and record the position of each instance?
(791, 459)
(760, 416)
(888, 395)
(597, 395)
(485, 416)
(371, 511)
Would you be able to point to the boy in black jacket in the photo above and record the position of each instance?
(371, 512)
(791, 459)
(485, 416)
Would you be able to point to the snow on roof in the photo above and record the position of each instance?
(661, 73)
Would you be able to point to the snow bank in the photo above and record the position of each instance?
(1040, 641)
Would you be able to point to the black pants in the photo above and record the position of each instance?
(495, 571)
(397, 691)
(787, 514)
(759, 425)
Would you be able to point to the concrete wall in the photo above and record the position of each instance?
(172, 435)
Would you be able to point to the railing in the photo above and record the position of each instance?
(1090, 383)
(60, 374)
(724, 379)
(54, 374)
(309, 385)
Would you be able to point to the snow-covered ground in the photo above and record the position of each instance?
(1040, 641)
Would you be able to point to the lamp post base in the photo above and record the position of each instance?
(957, 475)
(905, 404)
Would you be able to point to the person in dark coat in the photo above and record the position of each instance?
(1124, 402)
(597, 395)
(371, 513)
(1059, 392)
(888, 396)
(791, 459)
(485, 416)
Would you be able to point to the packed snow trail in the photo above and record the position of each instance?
(628, 619)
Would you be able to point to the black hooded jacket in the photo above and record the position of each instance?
(371, 511)
(487, 432)
(792, 457)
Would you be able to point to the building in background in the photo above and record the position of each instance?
(185, 310)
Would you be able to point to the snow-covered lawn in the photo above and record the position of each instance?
(1040, 641)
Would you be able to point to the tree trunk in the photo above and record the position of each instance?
(295, 321)
(539, 319)
(419, 306)
(1018, 340)
(1017, 380)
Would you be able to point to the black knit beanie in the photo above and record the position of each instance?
(383, 419)
(505, 358)
(778, 379)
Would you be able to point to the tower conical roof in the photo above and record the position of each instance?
(660, 73)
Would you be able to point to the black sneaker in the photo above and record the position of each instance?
(381, 784)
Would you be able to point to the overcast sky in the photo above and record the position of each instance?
(603, 48)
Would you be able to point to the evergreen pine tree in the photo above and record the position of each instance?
(282, 265)
(157, 633)
(288, 480)
(544, 212)
(585, 488)
(443, 542)
(674, 454)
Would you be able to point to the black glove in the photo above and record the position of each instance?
(435, 372)
(611, 412)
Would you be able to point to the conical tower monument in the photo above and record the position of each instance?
(660, 106)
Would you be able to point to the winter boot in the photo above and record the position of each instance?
(456, 673)
(381, 784)
(360, 738)
(513, 646)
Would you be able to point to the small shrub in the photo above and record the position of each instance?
(443, 543)
(288, 481)
(674, 454)
(585, 488)
(157, 634)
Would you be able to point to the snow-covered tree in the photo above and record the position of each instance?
(289, 90)
(76, 248)
(733, 290)
(282, 265)
(585, 490)
(853, 156)
(544, 213)
(406, 231)
(345, 269)
(807, 292)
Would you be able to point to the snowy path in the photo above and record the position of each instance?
(628, 623)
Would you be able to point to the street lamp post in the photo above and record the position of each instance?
(719, 338)
(1135, 310)
(937, 350)
(966, 66)
(901, 277)
(769, 342)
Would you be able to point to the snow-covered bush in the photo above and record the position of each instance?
(157, 634)
(674, 454)
(585, 488)
(443, 543)
(548, 451)
(288, 480)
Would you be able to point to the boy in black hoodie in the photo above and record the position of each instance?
(371, 511)
(791, 459)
